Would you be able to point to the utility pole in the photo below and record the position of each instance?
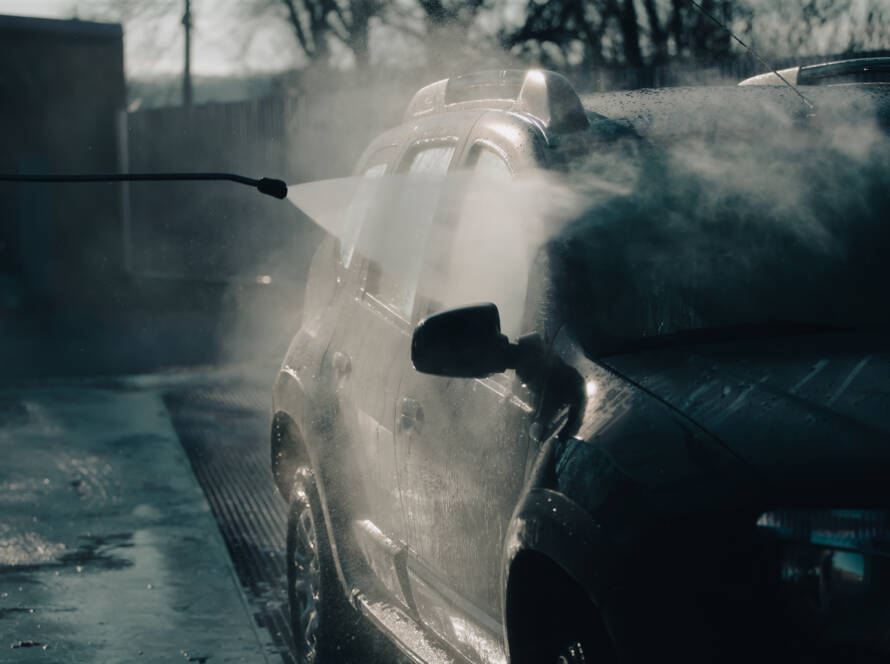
(187, 71)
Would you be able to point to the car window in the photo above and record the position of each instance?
(358, 210)
(432, 160)
(472, 274)
(489, 163)
(399, 293)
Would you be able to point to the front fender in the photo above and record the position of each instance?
(302, 403)
(550, 524)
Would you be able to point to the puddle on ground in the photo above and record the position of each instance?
(29, 552)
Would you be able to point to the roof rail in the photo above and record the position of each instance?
(546, 95)
(858, 70)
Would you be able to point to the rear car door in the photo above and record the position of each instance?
(462, 447)
(380, 332)
(362, 357)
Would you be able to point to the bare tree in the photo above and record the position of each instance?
(318, 24)
(446, 32)
(319, 27)
(650, 32)
(641, 34)
(810, 27)
(626, 32)
(441, 13)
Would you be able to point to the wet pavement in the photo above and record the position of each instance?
(109, 549)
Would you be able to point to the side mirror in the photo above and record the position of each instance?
(465, 343)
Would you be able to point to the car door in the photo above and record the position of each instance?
(379, 334)
(362, 360)
(462, 448)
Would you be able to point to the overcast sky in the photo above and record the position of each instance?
(158, 48)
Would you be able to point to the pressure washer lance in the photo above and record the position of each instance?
(268, 186)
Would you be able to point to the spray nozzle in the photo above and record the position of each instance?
(272, 187)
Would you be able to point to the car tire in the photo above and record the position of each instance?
(324, 625)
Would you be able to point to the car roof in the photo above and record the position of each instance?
(576, 124)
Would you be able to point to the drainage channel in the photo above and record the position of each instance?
(225, 435)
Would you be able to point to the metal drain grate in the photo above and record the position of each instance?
(225, 435)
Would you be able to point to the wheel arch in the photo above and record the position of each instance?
(553, 551)
(296, 399)
(307, 430)
(288, 452)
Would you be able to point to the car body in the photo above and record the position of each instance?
(554, 498)
(859, 70)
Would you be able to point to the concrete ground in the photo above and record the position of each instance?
(109, 551)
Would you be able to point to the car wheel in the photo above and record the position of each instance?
(322, 622)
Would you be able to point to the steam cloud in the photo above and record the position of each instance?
(649, 237)
(455, 239)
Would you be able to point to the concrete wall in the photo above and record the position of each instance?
(61, 85)
(215, 232)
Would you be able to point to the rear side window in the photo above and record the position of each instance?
(432, 160)
(397, 292)
(487, 261)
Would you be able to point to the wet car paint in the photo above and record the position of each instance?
(805, 410)
(368, 407)
(629, 473)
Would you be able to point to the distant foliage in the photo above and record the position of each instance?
(640, 33)
(445, 36)
(569, 32)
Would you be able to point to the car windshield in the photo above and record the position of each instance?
(783, 231)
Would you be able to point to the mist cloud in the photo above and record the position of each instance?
(656, 235)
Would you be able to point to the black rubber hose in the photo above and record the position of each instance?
(268, 186)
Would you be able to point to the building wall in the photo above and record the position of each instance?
(62, 88)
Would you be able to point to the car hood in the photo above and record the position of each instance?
(812, 412)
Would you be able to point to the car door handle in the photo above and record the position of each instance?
(342, 364)
(410, 415)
